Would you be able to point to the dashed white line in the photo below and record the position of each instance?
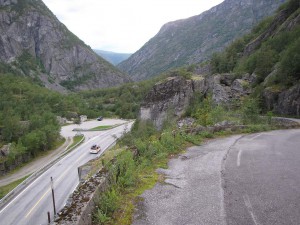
(238, 161)
(250, 209)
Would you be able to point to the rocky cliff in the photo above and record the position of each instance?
(173, 95)
(194, 39)
(270, 54)
(33, 42)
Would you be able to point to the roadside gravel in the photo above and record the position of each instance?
(192, 192)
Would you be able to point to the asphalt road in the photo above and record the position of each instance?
(249, 179)
(30, 207)
(68, 133)
(262, 179)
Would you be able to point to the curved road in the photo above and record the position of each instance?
(251, 179)
(32, 204)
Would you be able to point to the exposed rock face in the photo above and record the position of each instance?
(174, 95)
(289, 102)
(8, 2)
(171, 96)
(194, 39)
(225, 88)
(29, 27)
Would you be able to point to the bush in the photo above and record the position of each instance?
(250, 111)
(107, 204)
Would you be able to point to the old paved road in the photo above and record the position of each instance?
(250, 179)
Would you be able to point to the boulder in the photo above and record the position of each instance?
(5, 150)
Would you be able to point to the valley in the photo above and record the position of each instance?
(200, 126)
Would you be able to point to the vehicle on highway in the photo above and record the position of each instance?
(100, 118)
(95, 149)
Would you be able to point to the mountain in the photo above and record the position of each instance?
(34, 43)
(193, 40)
(113, 57)
(262, 66)
(271, 53)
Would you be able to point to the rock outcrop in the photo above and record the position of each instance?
(193, 40)
(283, 102)
(31, 37)
(173, 95)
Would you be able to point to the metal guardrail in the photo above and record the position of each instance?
(17, 190)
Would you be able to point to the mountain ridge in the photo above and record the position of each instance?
(112, 57)
(193, 40)
(31, 34)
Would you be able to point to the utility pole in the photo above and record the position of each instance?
(49, 220)
(52, 188)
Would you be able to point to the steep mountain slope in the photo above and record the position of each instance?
(262, 67)
(33, 42)
(113, 57)
(271, 53)
(194, 39)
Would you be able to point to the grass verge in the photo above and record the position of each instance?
(100, 128)
(76, 140)
(4, 190)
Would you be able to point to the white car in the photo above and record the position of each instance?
(95, 149)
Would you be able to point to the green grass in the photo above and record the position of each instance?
(100, 128)
(76, 140)
(4, 190)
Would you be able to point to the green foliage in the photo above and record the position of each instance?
(4, 190)
(250, 111)
(281, 49)
(125, 167)
(203, 113)
(206, 113)
(107, 204)
(260, 63)
(289, 64)
(182, 72)
(123, 101)
(28, 115)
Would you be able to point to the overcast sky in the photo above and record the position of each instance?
(122, 25)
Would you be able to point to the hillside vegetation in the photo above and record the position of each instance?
(36, 44)
(195, 39)
(271, 51)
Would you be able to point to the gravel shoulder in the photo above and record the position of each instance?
(192, 192)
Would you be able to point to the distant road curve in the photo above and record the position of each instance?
(32, 204)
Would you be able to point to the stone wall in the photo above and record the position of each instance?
(80, 205)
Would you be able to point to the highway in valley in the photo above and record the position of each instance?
(30, 207)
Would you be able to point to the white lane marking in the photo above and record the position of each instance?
(238, 161)
(85, 144)
(255, 136)
(250, 209)
(58, 179)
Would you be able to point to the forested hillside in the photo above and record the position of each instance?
(271, 52)
(28, 112)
